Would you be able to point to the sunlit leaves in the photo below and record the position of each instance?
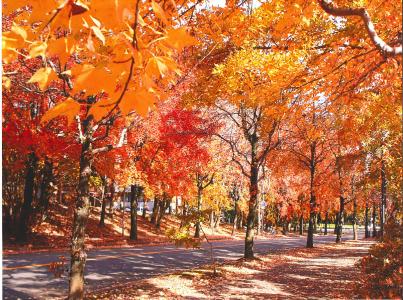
(139, 100)
(41, 76)
(179, 38)
(68, 108)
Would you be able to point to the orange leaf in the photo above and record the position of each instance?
(159, 12)
(139, 100)
(68, 108)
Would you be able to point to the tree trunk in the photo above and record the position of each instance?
(309, 242)
(81, 213)
(383, 198)
(367, 231)
(250, 221)
(336, 221)
(199, 202)
(212, 221)
(103, 207)
(154, 215)
(235, 222)
(217, 219)
(312, 199)
(164, 204)
(47, 175)
(144, 213)
(301, 224)
(374, 233)
(135, 191)
(326, 222)
(339, 227)
(355, 231)
(26, 209)
(112, 196)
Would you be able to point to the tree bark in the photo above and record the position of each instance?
(135, 192)
(312, 199)
(164, 204)
(374, 233)
(112, 196)
(355, 231)
(199, 202)
(301, 224)
(235, 222)
(81, 213)
(26, 209)
(383, 198)
(154, 215)
(47, 175)
(326, 222)
(103, 206)
(367, 231)
(212, 221)
(339, 227)
(144, 213)
(250, 221)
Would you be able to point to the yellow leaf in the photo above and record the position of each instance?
(41, 76)
(37, 49)
(68, 108)
(96, 21)
(156, 67)
(139, 100)
(6, 82)
(159, 12)
(98, 33)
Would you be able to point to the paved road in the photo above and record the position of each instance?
(27, 276)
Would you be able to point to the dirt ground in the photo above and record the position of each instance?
(324, 272)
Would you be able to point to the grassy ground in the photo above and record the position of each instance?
(325, 272)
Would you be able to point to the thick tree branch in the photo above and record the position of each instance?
(110, 147)
(381, 45)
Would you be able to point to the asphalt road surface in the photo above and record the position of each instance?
(27, 276)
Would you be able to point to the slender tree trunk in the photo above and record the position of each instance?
(374, 233)
(164, 204)
(326, 222)
(250, 221)
(143, 215)
(135, 191)
(234, 224)
(26, 209)
(383, 198)
(112, 196)
(339, 228)
(301, 224)
(336, 222)
(240, 220)
(367, 232)
(155, 210)
(81, 213)
(315, 223)
(217, 219)
(47, 175)
(103, 206)
(199, 202)
(355, 231)
(212, 221)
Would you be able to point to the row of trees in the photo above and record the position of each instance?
(218, 105)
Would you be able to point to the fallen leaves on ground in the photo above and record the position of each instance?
(326, 271)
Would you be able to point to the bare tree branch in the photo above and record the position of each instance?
(381, 45)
